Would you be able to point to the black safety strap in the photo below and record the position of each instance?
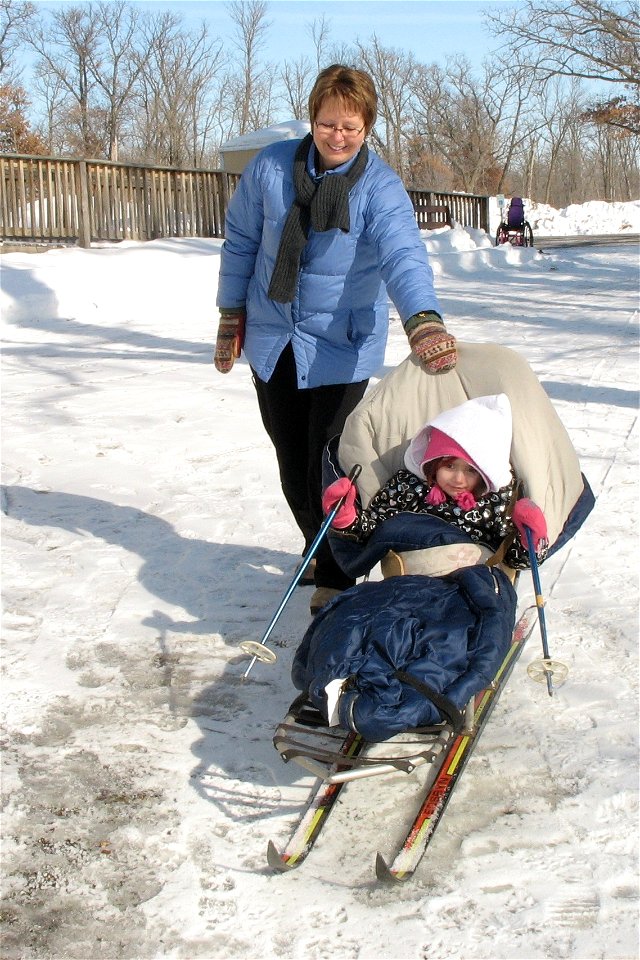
(447, 707)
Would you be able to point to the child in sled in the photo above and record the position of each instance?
(456, 469)
(448, 621)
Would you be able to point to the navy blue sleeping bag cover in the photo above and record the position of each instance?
(449, 632)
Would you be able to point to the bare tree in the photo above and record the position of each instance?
(296, 78)
(615, 160)
(590, 39)
(508, 97)
(627, 167)
(66, 46)
(391, 71)
(560, 111)
(319, 30)
(15, 18)
(119, 57)
(253, 82)
(175, 91)
(474, 123)
(605, 158)
(54, 98)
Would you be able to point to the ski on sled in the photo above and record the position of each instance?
(338, 757)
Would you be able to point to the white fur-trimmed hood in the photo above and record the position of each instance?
(482, 426)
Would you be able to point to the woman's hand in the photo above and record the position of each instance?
(230, 338)
(431, 343)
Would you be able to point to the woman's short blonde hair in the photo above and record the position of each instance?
(354, 88)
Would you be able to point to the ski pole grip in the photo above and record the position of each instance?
(356, 470)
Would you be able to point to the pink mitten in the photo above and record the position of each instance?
(333, 494)
(526, 513)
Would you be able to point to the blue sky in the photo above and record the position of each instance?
(430, 29)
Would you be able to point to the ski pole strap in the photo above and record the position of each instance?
(447, 707)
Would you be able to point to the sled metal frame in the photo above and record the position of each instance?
(316, 748)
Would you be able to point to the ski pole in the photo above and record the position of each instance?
(535, 573)
(260, 651)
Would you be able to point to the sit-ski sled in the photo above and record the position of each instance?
(338, 757)
(544, 460)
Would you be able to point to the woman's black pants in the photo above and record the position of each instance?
(299, 424)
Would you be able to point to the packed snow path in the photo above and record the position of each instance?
(144, 537)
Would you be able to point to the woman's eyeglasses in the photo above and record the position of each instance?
(347, 132)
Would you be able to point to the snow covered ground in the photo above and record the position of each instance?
(145, 536)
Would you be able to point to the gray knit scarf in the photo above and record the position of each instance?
(323, 206)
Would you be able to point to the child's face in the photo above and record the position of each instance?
(455, 476)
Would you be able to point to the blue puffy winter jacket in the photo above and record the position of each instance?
(338, 320)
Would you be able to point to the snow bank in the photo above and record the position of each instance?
(594, 217)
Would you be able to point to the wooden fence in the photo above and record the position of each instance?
(82, 201)
(467, 209)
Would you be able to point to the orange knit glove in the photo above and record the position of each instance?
(230, 338)
(430, 342)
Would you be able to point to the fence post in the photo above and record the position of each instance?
(484, 214)
(84, 211)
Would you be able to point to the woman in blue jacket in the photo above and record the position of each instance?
(319, 234)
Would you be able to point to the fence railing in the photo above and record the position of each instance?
(83, 201)
(467, 209)
(46, 198)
